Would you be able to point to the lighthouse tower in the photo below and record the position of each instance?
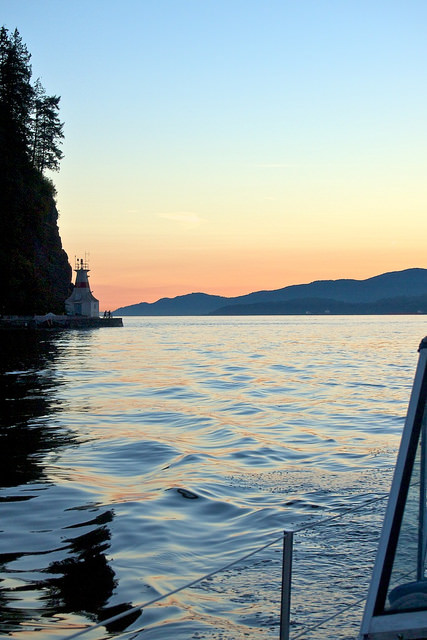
(81, 302)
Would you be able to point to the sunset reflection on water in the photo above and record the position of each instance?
(147, 454)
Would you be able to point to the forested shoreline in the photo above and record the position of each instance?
(35, 270)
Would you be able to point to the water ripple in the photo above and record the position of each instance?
(139, 458)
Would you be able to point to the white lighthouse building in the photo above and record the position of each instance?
(82, 302)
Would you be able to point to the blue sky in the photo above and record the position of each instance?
(230, 146)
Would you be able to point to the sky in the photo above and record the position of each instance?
(229, 146)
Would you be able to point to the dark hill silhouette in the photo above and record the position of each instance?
(392, 290)
(410, 282)
(303, 306)
(193, 304)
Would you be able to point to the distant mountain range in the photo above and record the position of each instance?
(389, 293)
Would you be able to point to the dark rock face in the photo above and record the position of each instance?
(35, 273)
(52, 270)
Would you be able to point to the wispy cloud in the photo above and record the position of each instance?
(186, 218)
(276, 165)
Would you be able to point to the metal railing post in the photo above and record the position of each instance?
(285, 606)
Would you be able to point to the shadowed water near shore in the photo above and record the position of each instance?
(137, 459)
(30, 435)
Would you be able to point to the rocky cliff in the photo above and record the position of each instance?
(36, 275)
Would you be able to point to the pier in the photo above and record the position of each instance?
(58, 322)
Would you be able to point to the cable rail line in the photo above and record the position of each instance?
(276, 538)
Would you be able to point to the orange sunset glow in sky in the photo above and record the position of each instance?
(234, 145)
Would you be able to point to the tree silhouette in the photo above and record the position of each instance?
(16, 91)
(29, 119)
(46, 130)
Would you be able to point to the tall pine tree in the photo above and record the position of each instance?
(46, 130)
(28, 117)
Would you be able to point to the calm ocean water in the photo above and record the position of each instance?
(137, 459)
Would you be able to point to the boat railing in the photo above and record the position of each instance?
(315, 543)
(330, 567)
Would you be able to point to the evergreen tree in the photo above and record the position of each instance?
(47, 130)
(16, 91)
(29, 119)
